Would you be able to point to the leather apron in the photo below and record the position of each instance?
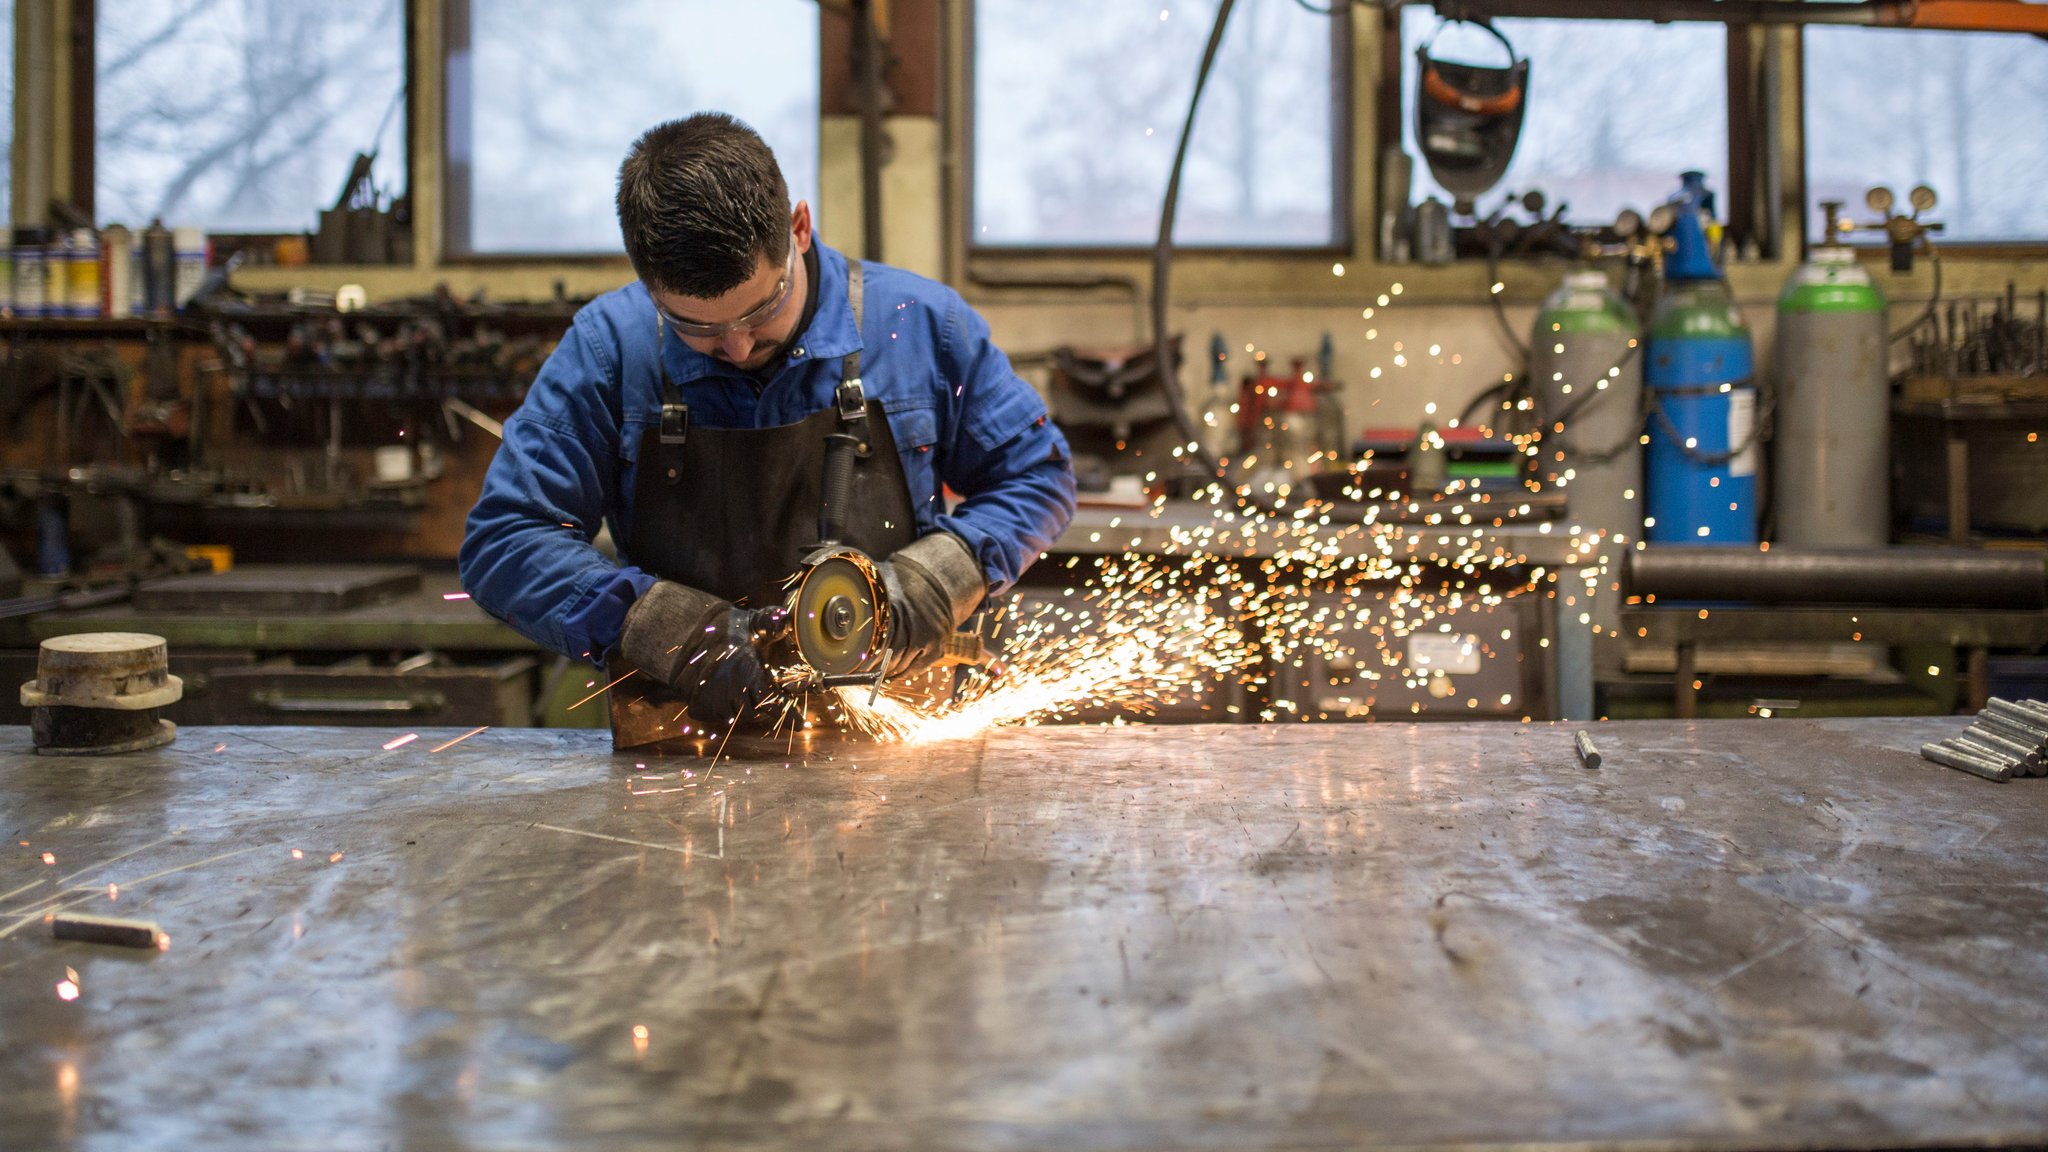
(732, 511)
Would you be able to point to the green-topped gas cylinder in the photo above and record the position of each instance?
(1586, 372)
(1831, 463)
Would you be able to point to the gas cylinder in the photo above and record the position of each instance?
(1700, 469)
(1831, 446)
(1586, 372)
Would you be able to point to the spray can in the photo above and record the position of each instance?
(159, 271)
(188, 247)
(1832, 453)
(57, 275)
(82, 274)
(117, 270)
(29, 278)
(1219, 423)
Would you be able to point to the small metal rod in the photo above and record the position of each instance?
(2034, 708)
(2015, 732)
(1583, 744)
(2017, 715)
(1965, 761)
(2028, 757)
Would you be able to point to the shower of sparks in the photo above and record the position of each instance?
(454, 595)
(400, 741)
(1278, 578)
(1164, 628)
(67, 990)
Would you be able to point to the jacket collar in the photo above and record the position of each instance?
(832, 333)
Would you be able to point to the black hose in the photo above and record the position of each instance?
(1926, 317)
(1162, 254)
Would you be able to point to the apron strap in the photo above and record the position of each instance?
(675, 415)
(852, 438)
(850, 396)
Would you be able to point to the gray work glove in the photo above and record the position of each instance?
(702, 647)
(933, 584)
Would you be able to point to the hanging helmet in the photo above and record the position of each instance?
(1468, 117)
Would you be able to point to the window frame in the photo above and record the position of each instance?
(1343, 142)
(1741, 198)
(1970, 250)
(85, 121)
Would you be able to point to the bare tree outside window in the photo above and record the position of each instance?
(1965, 113)
(243, 115)
(557, 92)
(1078, 107)
(1616, 108)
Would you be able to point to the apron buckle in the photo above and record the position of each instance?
(853, 401)
(853, 413)
(675, 424)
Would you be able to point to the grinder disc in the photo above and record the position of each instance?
(833, 615)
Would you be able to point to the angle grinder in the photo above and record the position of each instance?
(833, 631)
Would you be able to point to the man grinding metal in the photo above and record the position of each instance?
(754, 412)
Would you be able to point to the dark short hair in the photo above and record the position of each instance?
(701, 203)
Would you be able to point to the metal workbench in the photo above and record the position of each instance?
(1734, 933)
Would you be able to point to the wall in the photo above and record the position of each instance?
(1280, 303)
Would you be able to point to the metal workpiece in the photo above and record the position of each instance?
(1582, 743)
(1964, 758)
(2005, 727)
(2018, 716)
(2027, 756)
(1783, 933)
(1903, 577)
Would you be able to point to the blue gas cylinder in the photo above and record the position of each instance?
(1701, 463)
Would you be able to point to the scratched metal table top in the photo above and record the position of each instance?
(1734, 933)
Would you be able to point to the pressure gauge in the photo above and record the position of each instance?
(1922, 198)
(1879, 200)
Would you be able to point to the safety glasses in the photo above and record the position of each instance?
(764, 313)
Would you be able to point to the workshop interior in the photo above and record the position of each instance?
(1558, 559)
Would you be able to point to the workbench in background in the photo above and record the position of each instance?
(1732, 934)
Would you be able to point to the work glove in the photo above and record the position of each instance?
(933, 584)
(701, 647)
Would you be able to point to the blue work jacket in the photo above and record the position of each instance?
(959, 413)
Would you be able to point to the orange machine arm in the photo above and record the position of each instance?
(1968, 16)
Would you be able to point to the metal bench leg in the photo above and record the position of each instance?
(1686, 702)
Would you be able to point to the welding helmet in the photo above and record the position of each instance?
(1468, 117)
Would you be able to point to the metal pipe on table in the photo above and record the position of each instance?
(1895, 577)
(2018, 716)
(1963, 760)
(2002, 726)
(2028, 757)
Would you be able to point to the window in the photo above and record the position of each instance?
(1965, 113)
(1078, 106)
(1616, 109)
(544, 99)
(7, 122)
(244, 117)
